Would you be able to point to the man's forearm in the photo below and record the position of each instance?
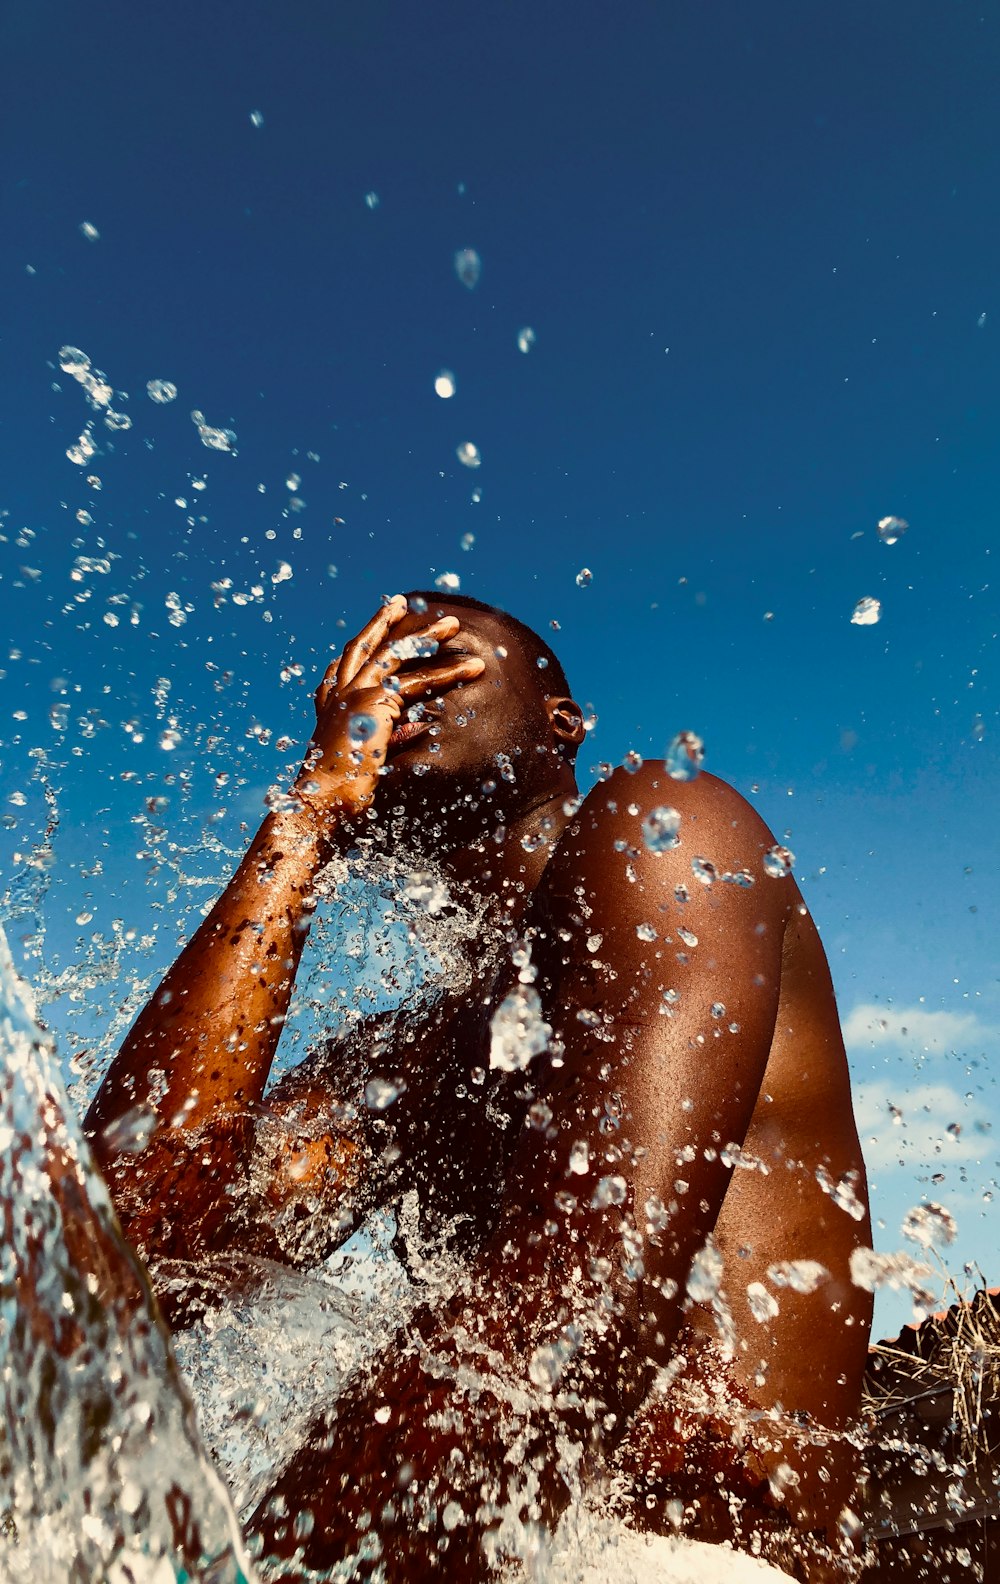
(204, 1043)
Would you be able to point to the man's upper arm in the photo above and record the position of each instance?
(660, 974)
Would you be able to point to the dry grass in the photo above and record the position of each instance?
(956, 1352)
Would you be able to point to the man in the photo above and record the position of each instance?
(634, 1123)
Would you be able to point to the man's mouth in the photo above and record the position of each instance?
(407, 730)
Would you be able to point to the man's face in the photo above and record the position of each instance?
(461, 731)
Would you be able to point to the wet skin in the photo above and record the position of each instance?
(655, 1088)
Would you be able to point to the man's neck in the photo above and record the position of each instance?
(507, 860)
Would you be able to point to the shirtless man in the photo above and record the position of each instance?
(667, 1119)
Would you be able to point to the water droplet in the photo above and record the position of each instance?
(584, 577)
(132, 1132)
(579, 1158)
(468, 454)
(685, 755)
(518, 1032)
(414, 646)
(449, 581)
(169, 739)
(84, 449)
(381, 1092)
(717, 1009)
(656, 1214)
(84, 519)
(609, 1191)
(928, 1224)
(525, 339)
(704, 870)
(283, 573)
(257, 118)
(363, 728)
(548, 1362)
(539, 1115)
(842, 1192)
(778, 862)
(688, 937)
(476, 496)
(802, 1276)
(891, 528)
(763, 1305)
(73, 361)
(426, 891)
(632, 761)
(161, 391)
(89, 231)
(645, 932)
(659, 829)
(214, 439)
(870, 1271)
(372, 200)
(866, 612)
(468, 266)
(117, 420)
(293, 482)
(706, 1273)
(741, 877)
(444, 384)
(467, 541)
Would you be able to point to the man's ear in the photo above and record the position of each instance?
(566, 720)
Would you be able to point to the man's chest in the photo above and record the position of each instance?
(442, 1118)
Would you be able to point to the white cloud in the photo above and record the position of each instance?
(870, 1026)
(908, 1126)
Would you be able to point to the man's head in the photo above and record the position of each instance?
(514, 724)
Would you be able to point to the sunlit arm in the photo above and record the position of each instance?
(195, 1064)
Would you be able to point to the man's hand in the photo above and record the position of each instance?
(360, 702)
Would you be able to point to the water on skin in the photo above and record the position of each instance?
(269, 1357)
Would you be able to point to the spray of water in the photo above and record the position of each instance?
(102, 1473)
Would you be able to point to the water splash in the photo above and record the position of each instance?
(659, 829)
(102, 1473)
(518, 1032)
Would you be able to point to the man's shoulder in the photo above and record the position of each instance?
(654, 813)
(643, 842)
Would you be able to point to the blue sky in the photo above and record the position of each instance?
(759, 251)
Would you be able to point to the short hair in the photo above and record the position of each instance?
(526, 636)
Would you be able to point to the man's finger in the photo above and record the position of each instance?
(432, 679)
(328, 682)
(360, 648)
(393, 653)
